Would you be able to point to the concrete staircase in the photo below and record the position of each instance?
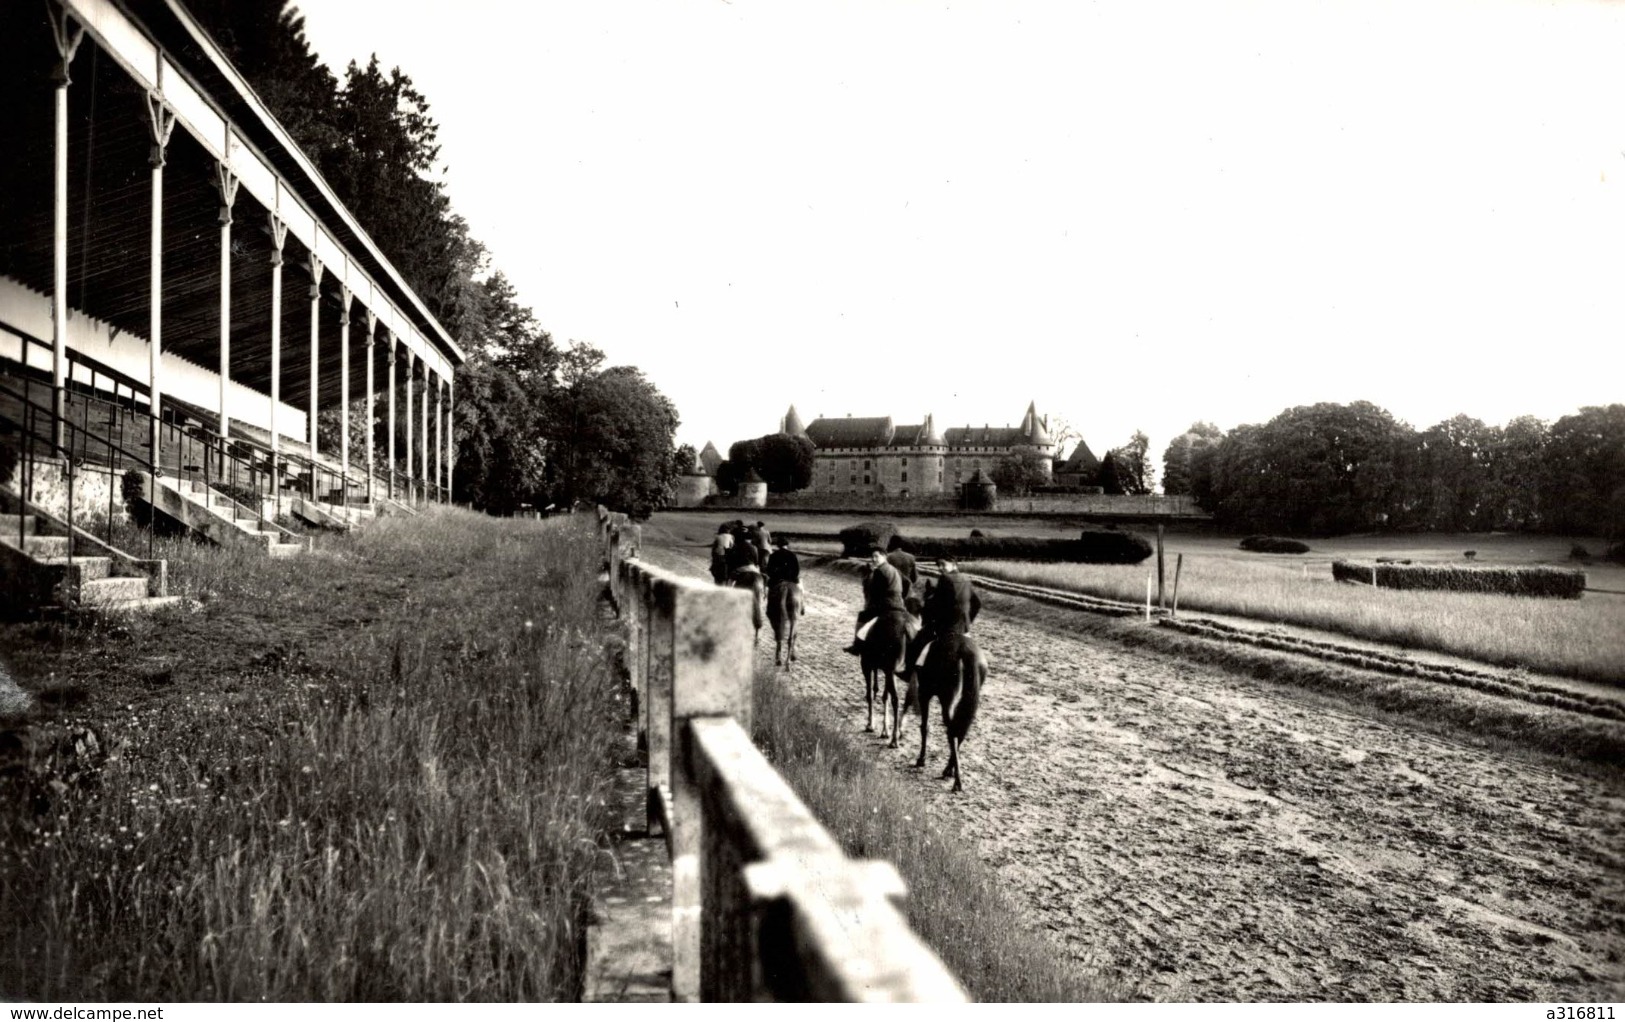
(36, 572)
(219, 518)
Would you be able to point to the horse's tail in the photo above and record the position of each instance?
(972, 673)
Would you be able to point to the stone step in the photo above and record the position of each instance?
(103, 591)
(10, 526)
(90, 568)
(45, 546)
(145, 605)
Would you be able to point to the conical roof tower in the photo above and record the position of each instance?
(792, 423)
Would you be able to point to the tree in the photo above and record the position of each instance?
(1585, 471)
(1019, 471)
(1316, 469)
(1132, 465)
(783, 461)
(610, 435)
(1113, 478)
(1180, 460)
(1513, 492)
(1451, 475)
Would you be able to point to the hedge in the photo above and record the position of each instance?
(1091, 547)
(857, 539)
(1274, 545)
(1561, 583)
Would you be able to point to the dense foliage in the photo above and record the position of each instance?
(784, 462)
(1331, 468)
(1020, 472)
(534, 423)
(857, 539)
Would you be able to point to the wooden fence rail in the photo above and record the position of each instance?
(765, 905)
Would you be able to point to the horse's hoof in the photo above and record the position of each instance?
(869, 727)
(958, 786)
(946, 773)
(894, 743)
(919, 764)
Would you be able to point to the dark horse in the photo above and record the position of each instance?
(784, 606)
(953, 673)
(750, 577)
(883, 650)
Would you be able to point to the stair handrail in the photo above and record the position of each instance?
(31, 439)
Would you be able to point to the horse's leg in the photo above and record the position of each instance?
(925, 724)
(948, 728)
(896, 710)
(869, 696)
(885, 695)
(953, 761)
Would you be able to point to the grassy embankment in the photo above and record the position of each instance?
(955, 902)
(372, 773)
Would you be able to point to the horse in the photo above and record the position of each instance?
(783, 608)
(954, 672)
(750, 577)
(883, 651)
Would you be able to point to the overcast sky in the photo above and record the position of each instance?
(1136, 214)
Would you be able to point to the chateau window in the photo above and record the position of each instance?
(905, 465)
(905, 476)
(939, 477)
(854, 480)
(866, 480)
(866, 464)
(854, 463)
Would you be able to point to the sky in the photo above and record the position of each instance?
(1136, 215)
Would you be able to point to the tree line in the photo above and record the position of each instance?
(534, 423)
(1332, 468)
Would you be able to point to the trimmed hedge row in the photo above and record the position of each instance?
(1274, 545)
(1559, 583)
(1093, 546)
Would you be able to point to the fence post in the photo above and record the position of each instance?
(711, 677)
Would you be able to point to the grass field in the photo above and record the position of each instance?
(1584, 638)
(373, 773)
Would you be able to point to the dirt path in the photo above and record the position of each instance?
(1202, 836)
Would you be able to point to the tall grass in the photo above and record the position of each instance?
(384, 782)
(1578, 639)
(955, 902)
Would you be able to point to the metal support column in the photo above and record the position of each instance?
(449, 432)
(372, 351)
(279, 237)
(315, 267)
(227, 183)
(391, 433)
(67, 44)
(344, 394)
(160, 123)
(410, 494)
(423, 439)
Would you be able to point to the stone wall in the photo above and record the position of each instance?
(92, 487)
(948, 503)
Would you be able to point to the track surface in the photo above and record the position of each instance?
(1197, 835)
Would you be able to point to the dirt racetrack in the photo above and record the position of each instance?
(1199, 835)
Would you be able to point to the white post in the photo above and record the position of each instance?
(409, 362)
(228, 195)
(423, 439)
(391, 433)
(344, 393)
(449, 431)
(160, 123)
(372, 327)
(279, 236)
(67, 44)
(315, 267)
(1148, 577)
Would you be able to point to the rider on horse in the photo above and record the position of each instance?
(949, 608)
(883, 593)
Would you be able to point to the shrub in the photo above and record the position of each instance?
(1616, 553)
(1561, 583)
(857, 539)
(1274, 545)
(1092, 547)
(1579, 553)
(1108, 546)
(1470, 554)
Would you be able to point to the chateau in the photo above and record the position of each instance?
(875, 455)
